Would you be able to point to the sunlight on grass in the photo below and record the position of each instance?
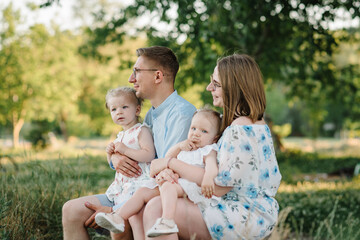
(325, 146)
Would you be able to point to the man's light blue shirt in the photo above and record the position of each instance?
(169, 122)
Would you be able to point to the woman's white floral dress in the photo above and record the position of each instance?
(247, 163)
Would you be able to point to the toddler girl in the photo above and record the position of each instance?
(199, 149)
(134, 141)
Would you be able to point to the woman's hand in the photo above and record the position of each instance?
(157, 165)
(110, 149)
(207, 187)
(166, 175)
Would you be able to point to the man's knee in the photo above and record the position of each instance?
(69, 211)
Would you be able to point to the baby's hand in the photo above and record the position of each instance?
(207, 187)
(120, 147)
(110, 149)
(187, 145)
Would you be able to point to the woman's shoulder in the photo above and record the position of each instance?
(246, 121)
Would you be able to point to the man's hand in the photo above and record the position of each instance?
(90, 223)
(207, 187)
(110, 149)
(125, 165)
(187, 145)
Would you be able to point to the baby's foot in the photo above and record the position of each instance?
(162, 226)
(111, 221)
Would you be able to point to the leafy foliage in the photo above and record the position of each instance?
(293, 163)
(290, 42)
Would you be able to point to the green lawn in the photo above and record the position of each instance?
(34, 189)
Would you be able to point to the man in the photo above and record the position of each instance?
(169, 119)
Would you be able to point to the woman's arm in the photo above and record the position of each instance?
(146, 153)
(184, 170)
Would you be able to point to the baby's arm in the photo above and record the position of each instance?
(146, 153)
(211, 171)
(110, 151)
(186, 145)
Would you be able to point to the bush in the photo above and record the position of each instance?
(292, 163)
(311, 207)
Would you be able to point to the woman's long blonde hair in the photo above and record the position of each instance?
(242, 88)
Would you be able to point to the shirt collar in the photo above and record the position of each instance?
(168, 101)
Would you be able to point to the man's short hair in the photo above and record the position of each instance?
(162, 56)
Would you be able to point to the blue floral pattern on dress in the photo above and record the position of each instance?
(247, 163)
(225, 177)
(217, 231)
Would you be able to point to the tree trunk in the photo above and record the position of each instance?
(63, 127)
(18, 122)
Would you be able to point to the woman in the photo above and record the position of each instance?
(248, 176)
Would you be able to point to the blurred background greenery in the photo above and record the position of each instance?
(54, 75)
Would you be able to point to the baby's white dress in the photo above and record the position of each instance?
(196, 157)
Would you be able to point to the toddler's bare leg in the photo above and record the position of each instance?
(137, 202)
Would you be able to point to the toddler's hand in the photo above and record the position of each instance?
(120, 147)
(187, 145)
(110, 149)
(207, 187)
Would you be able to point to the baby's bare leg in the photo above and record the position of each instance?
(169, 193)
(137, 202)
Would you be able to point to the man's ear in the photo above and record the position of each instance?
(159, 77)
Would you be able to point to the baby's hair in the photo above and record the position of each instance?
(215, 116)
(123, 91)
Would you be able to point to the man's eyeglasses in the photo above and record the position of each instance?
(135, 70)
(214, 83)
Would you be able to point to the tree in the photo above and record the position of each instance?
(290, 40)
(14, 92)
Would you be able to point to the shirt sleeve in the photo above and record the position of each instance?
(236, 159)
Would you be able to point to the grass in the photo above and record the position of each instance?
(34, 190)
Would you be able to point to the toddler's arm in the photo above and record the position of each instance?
(146, 153)
(186, 145)
(211, 171)
(110, 148)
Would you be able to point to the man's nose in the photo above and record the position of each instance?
(132, 78)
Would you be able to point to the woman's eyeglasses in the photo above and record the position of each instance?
(214, 83)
